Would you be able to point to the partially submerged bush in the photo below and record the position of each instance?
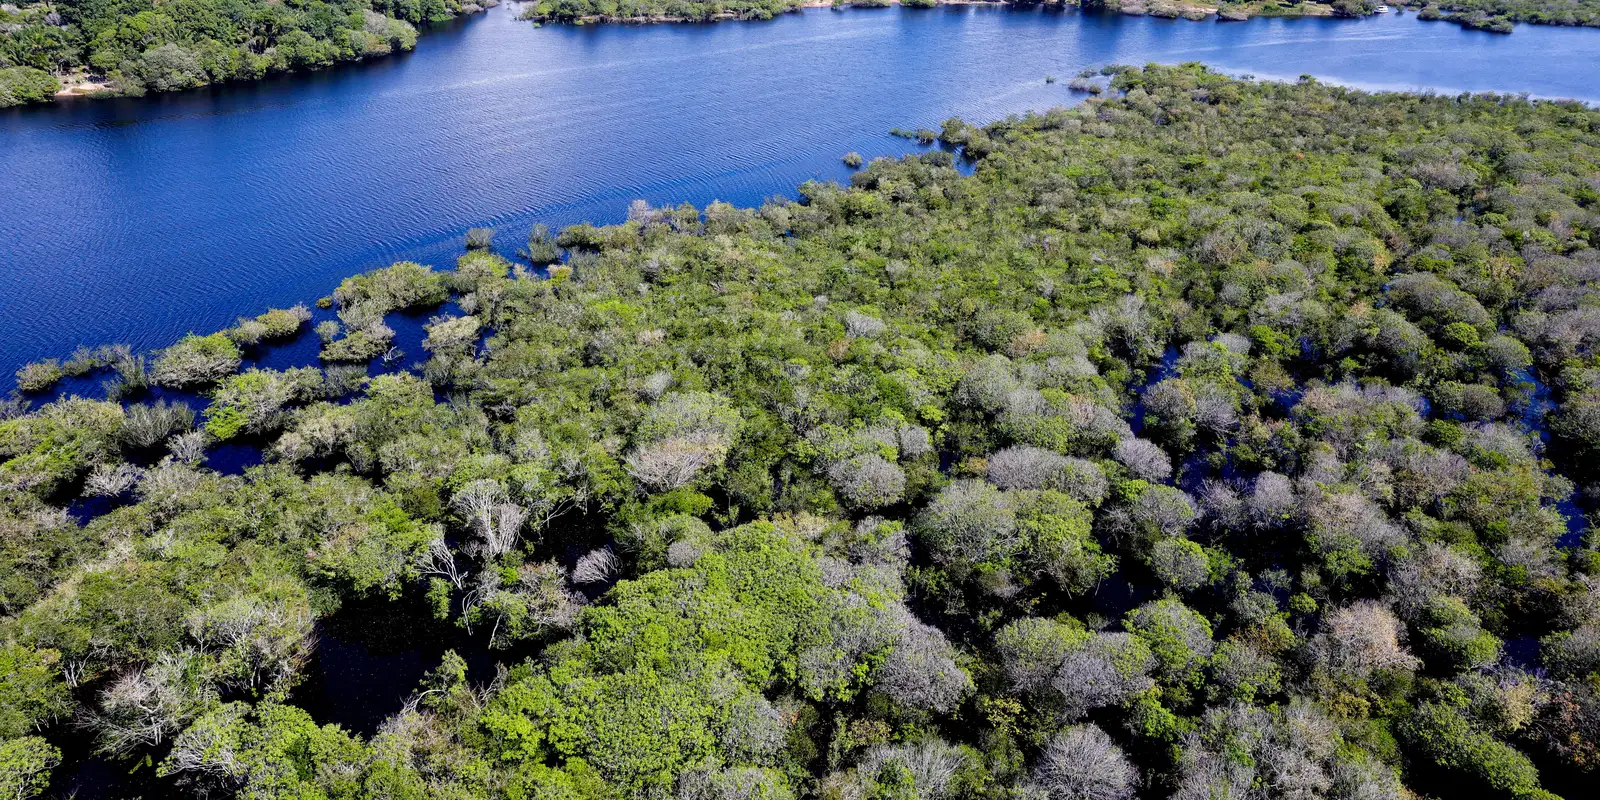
(196, 361)
(148, 425)
(480, 238)
(542, 248)
(39, 376)
(403, 285)
(256, 401)
(277, 323)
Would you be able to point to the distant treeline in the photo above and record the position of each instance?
(1492, 15)
(685, 10)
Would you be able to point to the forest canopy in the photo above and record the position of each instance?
(1210, 439)
(136, 46)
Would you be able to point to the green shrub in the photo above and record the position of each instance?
(39, 376)
(22, 85)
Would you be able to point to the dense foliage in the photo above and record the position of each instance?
(1188, 448)
(140, 45)
(1499, 14)
(645, 10)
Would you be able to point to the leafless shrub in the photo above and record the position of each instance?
(112, 480)
(862, 326)
(596, 566)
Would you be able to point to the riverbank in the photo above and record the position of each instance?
(103, 52)
(1486, 16)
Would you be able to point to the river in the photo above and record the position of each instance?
(137, 220)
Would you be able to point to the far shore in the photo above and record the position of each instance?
(1169, 9)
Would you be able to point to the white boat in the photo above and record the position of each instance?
(1381, 10)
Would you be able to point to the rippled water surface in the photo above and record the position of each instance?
(137, 220)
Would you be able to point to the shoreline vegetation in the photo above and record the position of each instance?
(1210, 435)
(82, 48)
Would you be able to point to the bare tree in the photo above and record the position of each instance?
(862, 326)
(1272, 503)
(737, 783)
(1032, 649)
(1361, 777)
(920, 670)
(655, 385)
(970, 522)
(931, 765)
(755, 731)
(987, 384)
(146, 425)
(146, 707)
(674, 462)
(1340, 521)
(867, 480)
(537, 603)
(1361, 639)
(257, 644)
(1144, 458)
(496, 521)
(439, 560)
(683, 553)
(1105, 670)
(1026, 467)
(1083, 763)
(1180, 563)
(207, 753)
(188, 447)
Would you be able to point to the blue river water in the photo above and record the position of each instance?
(137, 220)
